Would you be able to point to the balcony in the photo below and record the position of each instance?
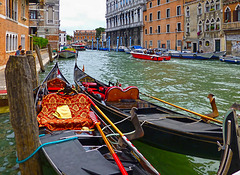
(231, 26)
(126, 26)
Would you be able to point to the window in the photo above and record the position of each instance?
(217, 24)
(168, 13)
(207, 27)
(168, 44)
(11, 42)
(178, 10)
(159, 29)
(207, 7)
(207, 43)
(50, 14)
(150, 5)
(227, 15)
(23, 5)
(33, 14)
(187, 11)
(217, 4)
(159, 15)
(167, 1)
(179, 43)
(150, 17)
(12, 9)
(199, 27)
(158, 43)
(158, 2)
(236, 14)
(146, 18)
(23, 41)
(146, 31)
(212, 24)
(188, 28)
(150, 43)
(146, 46)
(150, 30)
(168, 28)
(199, 12)
(179, 27)
(163, 45)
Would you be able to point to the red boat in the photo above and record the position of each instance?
(152, 57)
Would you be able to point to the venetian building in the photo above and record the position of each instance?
(164, 24)
(231, 26)
(124, 19)
(44, 21)
(203, 26)
(14, 30)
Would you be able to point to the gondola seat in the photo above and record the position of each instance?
(79, 106)
(115, 93)
(55, 85)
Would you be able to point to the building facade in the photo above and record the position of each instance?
(124, 19)
(164, 24)
(44, 21)
(14, 27)
(62, 38)
(231, 26)
(203, 25)
(84, 36)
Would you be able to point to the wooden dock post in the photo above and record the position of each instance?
(22, 113)
(39, 58)
(50, 53)
(32, 64)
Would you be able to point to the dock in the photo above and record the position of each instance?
(3, 89)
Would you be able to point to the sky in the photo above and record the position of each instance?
(82, 15)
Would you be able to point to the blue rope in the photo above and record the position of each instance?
(45, 144)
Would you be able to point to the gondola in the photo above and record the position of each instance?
(230, 160)
(163, 128)
(72, 138)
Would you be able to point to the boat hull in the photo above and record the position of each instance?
(230, 59)
(150, 57)
(196, 56)
(67, 54)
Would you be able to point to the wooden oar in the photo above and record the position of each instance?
(134, 149)
(118, 162)
(203, 116)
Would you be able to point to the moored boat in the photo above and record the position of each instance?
(163, 128)
(217, 55)
(196, 56)
(152, 57)
(79, 47)
(67, 53)
(230, 59)
(72, 138)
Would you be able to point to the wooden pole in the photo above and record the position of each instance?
(22, 113)
(32, 63)
(39, 58)
(50, 53)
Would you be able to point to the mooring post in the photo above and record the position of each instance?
(50, 53)
(22, 113)
(39, 58)
(32, 64)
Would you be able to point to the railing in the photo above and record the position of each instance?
(231, 26)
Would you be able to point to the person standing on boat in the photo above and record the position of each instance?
(18, 52)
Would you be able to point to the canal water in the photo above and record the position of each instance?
(185, 83)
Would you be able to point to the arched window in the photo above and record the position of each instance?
(200, 26)
(187, 11)
(236, 13)
(207, 7)
(207, 26)
(217, 4)
(212, 24)
(207, 43)
(227, 15)
(188, 28)
(212, 5)
(199, 9)
(218, 24)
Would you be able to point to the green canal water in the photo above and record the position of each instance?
(185, 83)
